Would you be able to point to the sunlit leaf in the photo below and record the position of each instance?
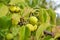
(51, 39)
(1, 5)
(15, 30)
(57, 36)
(16, 1)
(3, 10)
(40, 30)
(32, 3)
(24, 33)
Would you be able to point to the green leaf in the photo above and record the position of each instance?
(1, 38)
(49, 28)
(5, 1)
(48, 37)
(16, 1)
(15, 30)
(15, 38)
(52, 15)
(3, 10)
(5, 22)
(1, 5)
(41, 17)
(40, 30)
(24, 33)
(32, 3)
(57, 36)
(46, 16)
(51, 39)
(3, 32)
(21, 4)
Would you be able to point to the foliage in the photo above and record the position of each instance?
(15, 15)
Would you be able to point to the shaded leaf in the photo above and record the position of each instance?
(5, 1)
(47, 37)
(5, 22)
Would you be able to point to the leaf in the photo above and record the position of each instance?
(46, 16)
(3, 32)
(49, 28)
(57, 36)
(40, 30)
(5, 22)
(51, 39)
(22, 5)
(3, 10)
(1, 38)
(31, 3)
(15, 30)
(15, 38)
(41, 18)
(5, 1)
(16, 1)
(1, 5)
(24, 33)
(47, 37)
(52, 15)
